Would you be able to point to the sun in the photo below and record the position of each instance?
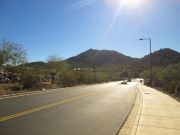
(122, 5)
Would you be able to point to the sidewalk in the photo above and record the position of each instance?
(154, 113)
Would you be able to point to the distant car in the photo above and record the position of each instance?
(124, 82)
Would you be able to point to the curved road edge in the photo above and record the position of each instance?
(130, 124)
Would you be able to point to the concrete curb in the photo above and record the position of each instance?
(127, 114)
(130, 126)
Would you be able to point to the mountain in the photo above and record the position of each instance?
(107, 58)
(38, 64)
(100, 59)
(114, 61)
(161, 58)
(116, 64)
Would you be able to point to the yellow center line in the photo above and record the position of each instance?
(2, 119)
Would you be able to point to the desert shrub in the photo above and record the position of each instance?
(68, 78)
(4, 86)
(167, 78)
(100, 77)
(30, 80)
(16, 87)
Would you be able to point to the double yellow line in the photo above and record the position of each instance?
(2, 119)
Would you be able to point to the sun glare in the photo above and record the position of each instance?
(120, 5)
(131, 4)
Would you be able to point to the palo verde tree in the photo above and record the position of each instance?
(55, 64)
(11, 53)
(56, 67)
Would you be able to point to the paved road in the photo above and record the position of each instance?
(83, 110)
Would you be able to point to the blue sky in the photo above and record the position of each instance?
(68, 27)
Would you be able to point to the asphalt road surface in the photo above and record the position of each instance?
(83, 110)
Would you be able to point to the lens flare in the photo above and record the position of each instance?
(121, 4)
(132, 4)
